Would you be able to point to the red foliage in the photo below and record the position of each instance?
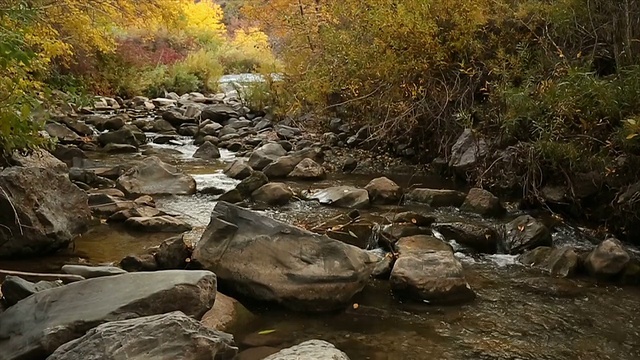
(138, 52)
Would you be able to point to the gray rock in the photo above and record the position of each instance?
(102, 123)
(188, 129)
(122, 136)
(273, 194)
(263, 124)
(164, 223)
(482, 202)
(61, 132)
(255, 181)
(154, 177)
(284, 165)
(207, 151)
(307, 169)
(161, 125)
(78, 127)
(145, 262)
(268, 260)
(36, 326)
(608, 259)
(238, 170)
(383, 191)
(350, 164)
(39, 159)
(265, 155)
(210, 129)
(226, 313)
(163, 102)
(173, 253)
(40, 211)
(67, 153)
(136, 211)
(104, 205)
(175, 118)
(15, 288)
(561, 262)
(436, 197)
(480, 238)
(218, 112)
(162, 337)
(343, 196)
(525, 233)
(287, 132)
(312, 349)
(119, 148)
(232, 196)
(428, 271)
(89, 272)
(466, 152)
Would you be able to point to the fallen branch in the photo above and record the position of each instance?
(65, 278)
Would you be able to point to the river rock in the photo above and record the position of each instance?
(164, 223)
(122, 136)
(225, 313)
(482, 202)
(89, 272)
(383, 191)
(265, 155)
(561, 262)
(39, 324)
(307, 169)
(411, 217)
(135, 211)
(175, 118)
(608, 259)
(427, 270)
(105, 205)
(218, 112)
(67, 153)
(40, 211)
(349, 165)
(61, 132)
(466, 152)
(207, 151)
(154, 177)
(232, 196)
(252, 183)
(111, 123)
(256, 353)
(173, 253)
(78, 127)
(273, 194)
(312, 349)
(436, 197)
(525, 233)
(268, 260)
(119, 148)
(343, 196)
(287, 132)
(162, 337)
(238, 170)
(39, 159)
(15, 288)
(284, 165)
(480, 238)
(210, 129)
(144, 262)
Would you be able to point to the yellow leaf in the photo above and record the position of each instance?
(266, 332)
(631, 136)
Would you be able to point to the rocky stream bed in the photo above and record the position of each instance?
(188, 227)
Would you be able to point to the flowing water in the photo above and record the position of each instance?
(519, 313)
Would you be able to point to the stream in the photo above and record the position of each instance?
(519, 313)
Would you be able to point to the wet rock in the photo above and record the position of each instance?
(89, 272)
(287, 132)
(268, 260)
(482, 202)
(255, 181)
(207, 151)
(34, 219)
(210, 129)
(164, 102)
(256, 353)
(173, 253)
(67, 153)
(161, 126)
(175, 118)
(163, 337)
(218, 113)
(466, 152)
(427, 270)
(525, 233)
(39, 324)
(265, 155)
(562, 262)
(287, 145)
(312, 349)
(61, 132)
(411, 217)
(225, 313)
(480, 238)
(343, 196)
(135, 211)
(238, 170)
(383, 191)
(349, 165)
(608, 259)
(551, 287)
(144, 262)
(39, 159)
(307, 169)
(78, 127)
(104, 205)
(102, 123)
(384, 266)
(436, 197)
(119, 148)
(211, 190)
(273, 194)
(188, 129)
(122, 136)
(397, 231)
(263, 124)
(284, 165)
(232, 196)
(145, 200)
(15, 288)
(227, 133)
(153, 177)
(163, 223)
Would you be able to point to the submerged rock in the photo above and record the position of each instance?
(343, 196)
(383, 191)
(164, 223)
(428, 271)
(608, 259)
(160, 337)
(312, 349)
(268, 260)
(436, 197)
(525, 233)
(480, 238)
(561, 262)
(154, 177)
(36, 326)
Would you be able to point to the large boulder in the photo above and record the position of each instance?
(608, 259)
(273, 194)
(343, 196)
(383, 191)
(159, 337)
(207, 151)
(36, 326)
(40, 211)
(154, 177)
(312, 349)
(307, 169)
(466, 152)
(286, 164)
(265, 155)
(482, 202)
(428, 271)
(268, 260)
(525, 233)
(436, 197)
(561, 262)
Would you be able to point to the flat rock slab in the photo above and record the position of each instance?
(154, 177)
(89, 272)
(159, 337)
(312, 349)
(343, 196)
(36, 326)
